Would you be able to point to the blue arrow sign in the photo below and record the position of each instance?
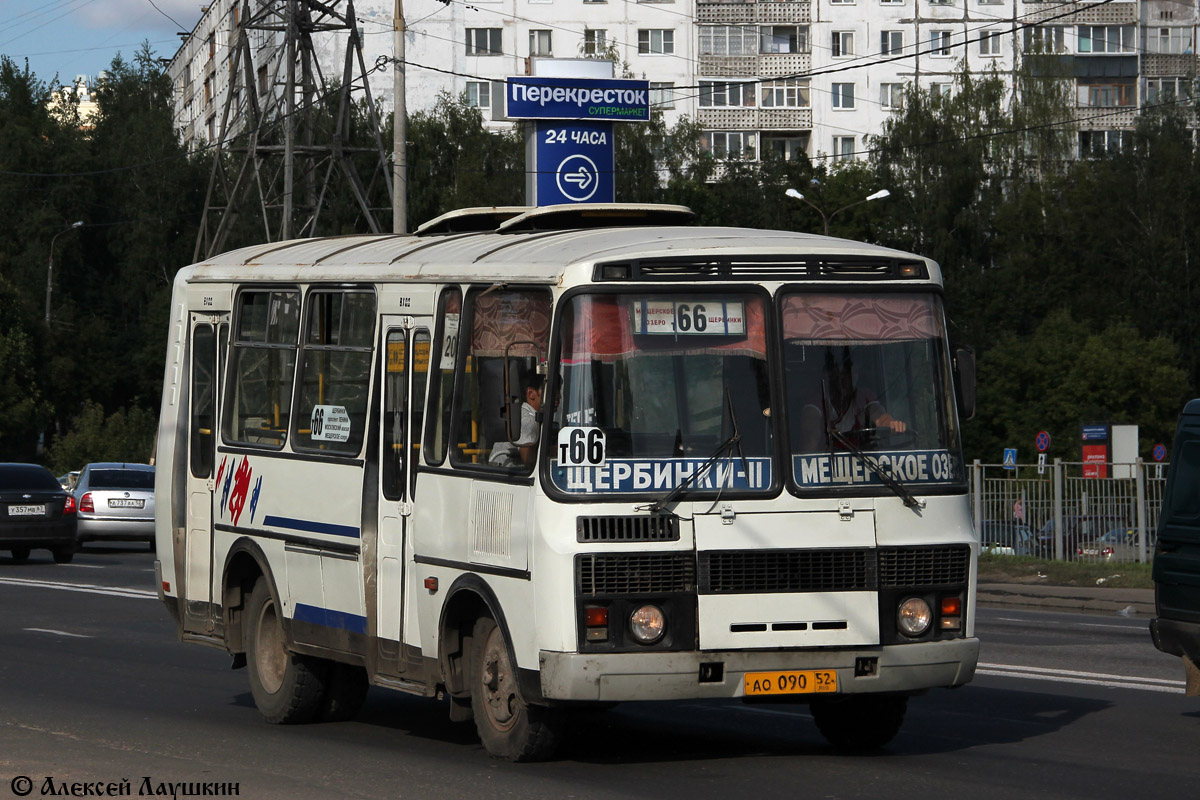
(574, 162)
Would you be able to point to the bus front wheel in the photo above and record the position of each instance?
(859, 722)
(287, 688)
(509, 727)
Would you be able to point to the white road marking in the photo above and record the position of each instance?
(112, 591)
(59, 633)
(1075, 676)
(85, 566)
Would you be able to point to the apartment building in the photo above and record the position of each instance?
(816, 77)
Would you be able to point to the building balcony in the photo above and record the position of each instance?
(745, 119)
(1101, 117)
(1088, 14)
(745, 13)
(766, 66)
(1162, 64)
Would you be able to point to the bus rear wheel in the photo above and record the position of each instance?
(859, 722)
(287, 688)
(509, 727)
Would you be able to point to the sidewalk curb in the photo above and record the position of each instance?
(1098, 600)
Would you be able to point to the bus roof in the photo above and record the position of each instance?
(527, 245)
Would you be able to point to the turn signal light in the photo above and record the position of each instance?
(951, 613)
(595, 619)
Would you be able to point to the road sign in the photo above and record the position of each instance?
(1041, 463)
(1042, 442)
(1160, 452)
(1010, 458)
(574, 162)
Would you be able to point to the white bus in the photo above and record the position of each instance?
(745, 480)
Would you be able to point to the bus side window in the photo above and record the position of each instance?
(440, 388)
(395, 386)
(335, 375)
(420, 380)
(262, 366)
(512, 323)
(204, 384)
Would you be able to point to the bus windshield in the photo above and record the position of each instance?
(653, 384)
(867, 378)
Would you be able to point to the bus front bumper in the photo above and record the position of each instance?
(676, 676)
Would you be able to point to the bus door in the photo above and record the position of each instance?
(406, 369)
(208, 340)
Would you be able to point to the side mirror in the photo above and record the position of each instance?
(964, 381)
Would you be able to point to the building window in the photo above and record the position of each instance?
(479, 94)
(483, 41)
(1046, 39)
(989, 43)
(1165, 90)
(1106, 38)
(262, 79)
(717, 94)
(1172, 41)
(843, 95)
(841, 2)
(891, 96)
(842, 44)
(728, 40)
(662, 95)
(1098, 143)
(891, 43)
(594, 41)
(939, 43)
(208, 90)
(891, 2)
(785, 94)
(990, 2)
(940, 90)
(783, 39)
(1107, 95)
(843, 148)
(728, 145)
(656, 41)
(540, 43)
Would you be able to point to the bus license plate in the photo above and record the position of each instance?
(809, 681)
(123, 503)
(27, 511)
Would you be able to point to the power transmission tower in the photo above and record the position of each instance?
(285, 132)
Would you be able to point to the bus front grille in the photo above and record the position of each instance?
(606, 574)
(924, 566)
(775, 571)
(641, 528)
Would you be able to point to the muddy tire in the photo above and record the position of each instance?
(287, 688)
(509, 727)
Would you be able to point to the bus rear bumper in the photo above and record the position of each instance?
(676, 676)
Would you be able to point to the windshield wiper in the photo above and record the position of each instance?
(678, 492)
(896, 486)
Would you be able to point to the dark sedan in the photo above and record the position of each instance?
(35, 512)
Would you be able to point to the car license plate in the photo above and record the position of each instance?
(27, 511)
(122, 502)
(809, 681)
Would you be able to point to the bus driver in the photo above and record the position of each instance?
(522, 452)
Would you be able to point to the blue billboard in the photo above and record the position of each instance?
(577, 98)
(574, 162)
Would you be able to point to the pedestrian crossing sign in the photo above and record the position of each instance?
(1010, 458)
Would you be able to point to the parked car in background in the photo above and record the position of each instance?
(35, 512)
(1119, 544)
(116, 502)
(1080, 535)
(1006, 538)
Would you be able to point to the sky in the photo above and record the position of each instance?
(80, 37)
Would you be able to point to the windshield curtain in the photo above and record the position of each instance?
(653, 384)
(869, 372)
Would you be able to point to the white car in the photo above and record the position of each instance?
(115, 501)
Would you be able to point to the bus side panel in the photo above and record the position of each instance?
(171, 453)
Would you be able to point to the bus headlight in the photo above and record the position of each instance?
(647, 624)
(914, 617)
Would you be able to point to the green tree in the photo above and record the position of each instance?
(125, 435)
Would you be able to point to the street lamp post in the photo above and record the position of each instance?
(50, 268)
(827, 218)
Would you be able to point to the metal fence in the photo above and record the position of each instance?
(1055, 512)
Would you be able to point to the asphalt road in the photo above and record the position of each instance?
(95, 688)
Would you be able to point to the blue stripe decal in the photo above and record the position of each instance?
(330, 619)
(308, 526)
